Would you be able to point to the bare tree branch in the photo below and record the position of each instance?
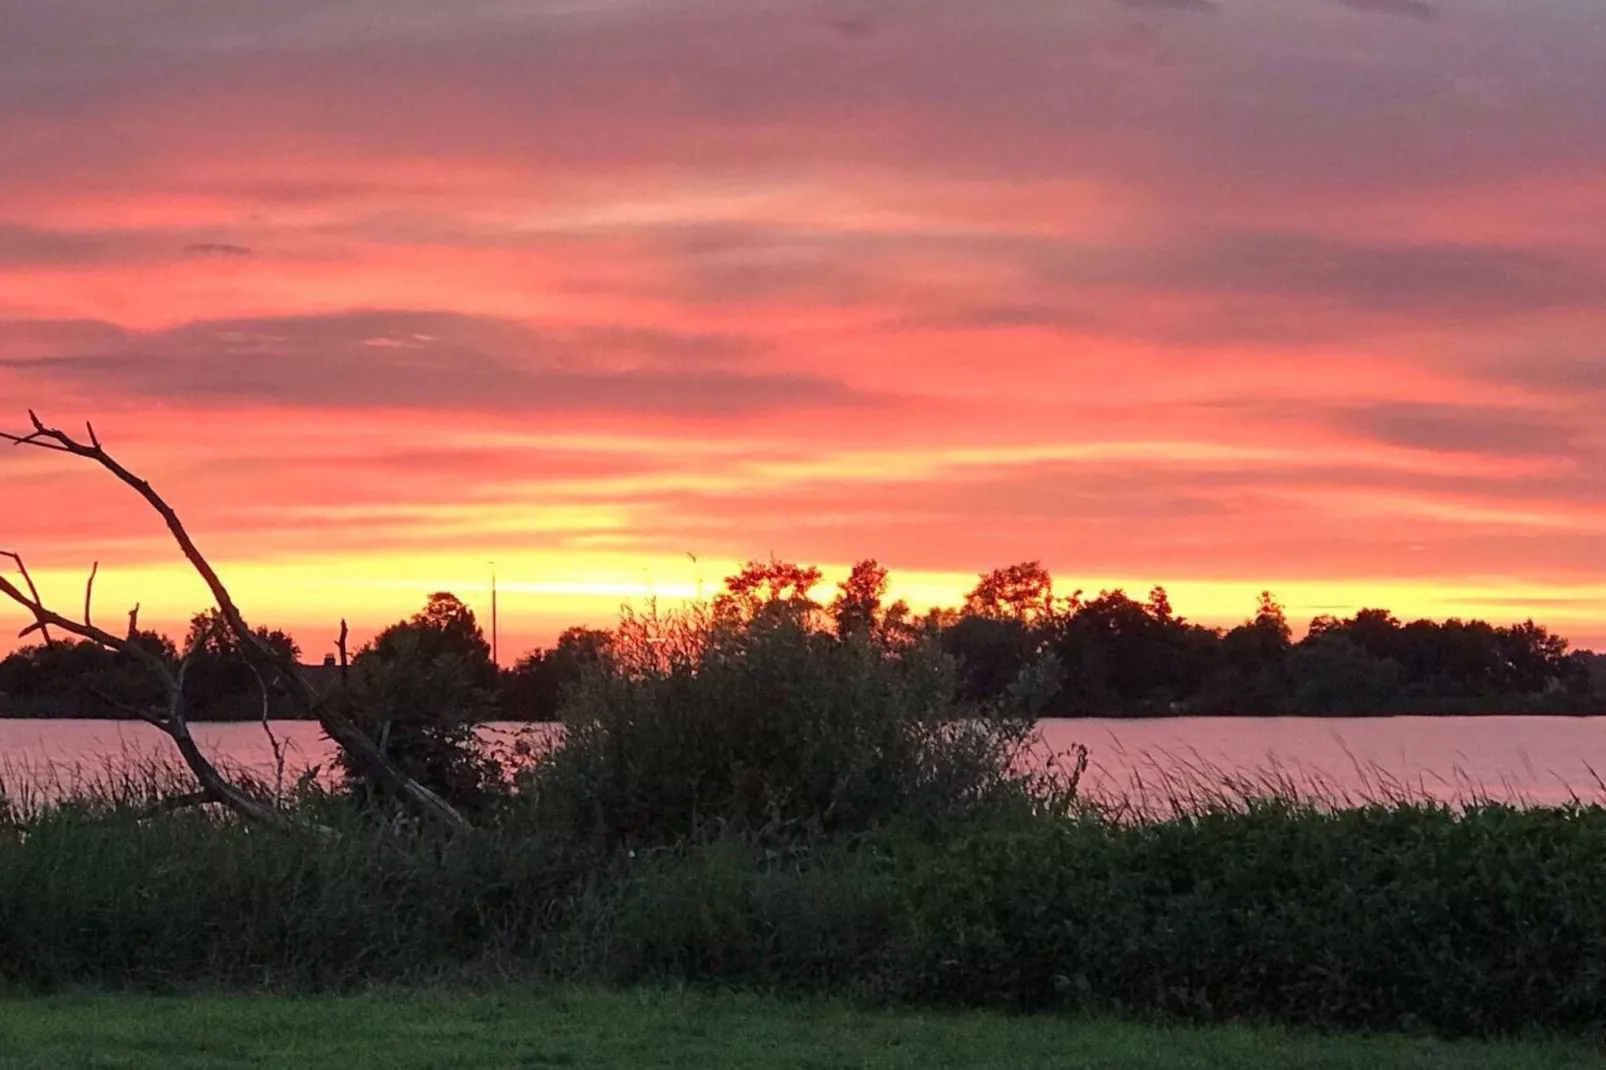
(47, 617)
(37, 437)
(89, 589)
(38, 624)
(345, 663)
(150, 716)
(277, 665)
(212, 781)
(172, 721)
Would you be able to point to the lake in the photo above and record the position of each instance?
(1520, 759)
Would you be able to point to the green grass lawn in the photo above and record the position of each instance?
(585, 1029)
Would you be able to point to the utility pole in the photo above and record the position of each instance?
(494, 659)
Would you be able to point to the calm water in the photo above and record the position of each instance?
(1532, 759)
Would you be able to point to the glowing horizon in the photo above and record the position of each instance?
(1222, 296)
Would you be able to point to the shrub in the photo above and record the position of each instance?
(732, 912)
(422, 712)
(769, 729)
(1398, 916)
(419, 690)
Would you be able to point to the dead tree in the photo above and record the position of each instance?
(170, 717)
(269, 665)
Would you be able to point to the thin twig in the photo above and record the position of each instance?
(89, 589)
(273, 740)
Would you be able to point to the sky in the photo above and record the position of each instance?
(1306, 295)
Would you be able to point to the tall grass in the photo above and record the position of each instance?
(134, 781)
(1408, 915)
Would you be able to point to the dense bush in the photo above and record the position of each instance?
(1386, 916)
(769, 729)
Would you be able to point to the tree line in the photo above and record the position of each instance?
(1013, 640)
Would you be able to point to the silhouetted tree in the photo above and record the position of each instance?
(990, 652)
(1533, 659)
(768, 589)
(1332, 675)
(57, 680)
(219, 681)
(1250, 675)
(1122, 656)
(1375, 631)
(444, 626)
(534, 689)
(419, 689)
(1023, 592)
(858, 608)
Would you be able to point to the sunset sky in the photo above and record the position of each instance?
(1219, 294)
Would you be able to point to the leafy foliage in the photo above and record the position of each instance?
(219, 683)
(768, 590)
(534, 689)
(419, 689)
(1023, 592)
(773, 729)
(80, 678)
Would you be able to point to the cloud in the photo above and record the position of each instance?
(1268, 288)
(1463, 429)
(1173, 5)
(218, 249)
(1414, 9)
(422, 360)
(23, 338)
(23, 246)
(1563, 376)
(1008, 91)
(1184, 286)
(1403, 278)
(33, 246)
(1146, 519)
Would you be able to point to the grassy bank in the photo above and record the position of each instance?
(589, 1029)
(1404, 917)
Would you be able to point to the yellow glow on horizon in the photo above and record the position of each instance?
(539, 594)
